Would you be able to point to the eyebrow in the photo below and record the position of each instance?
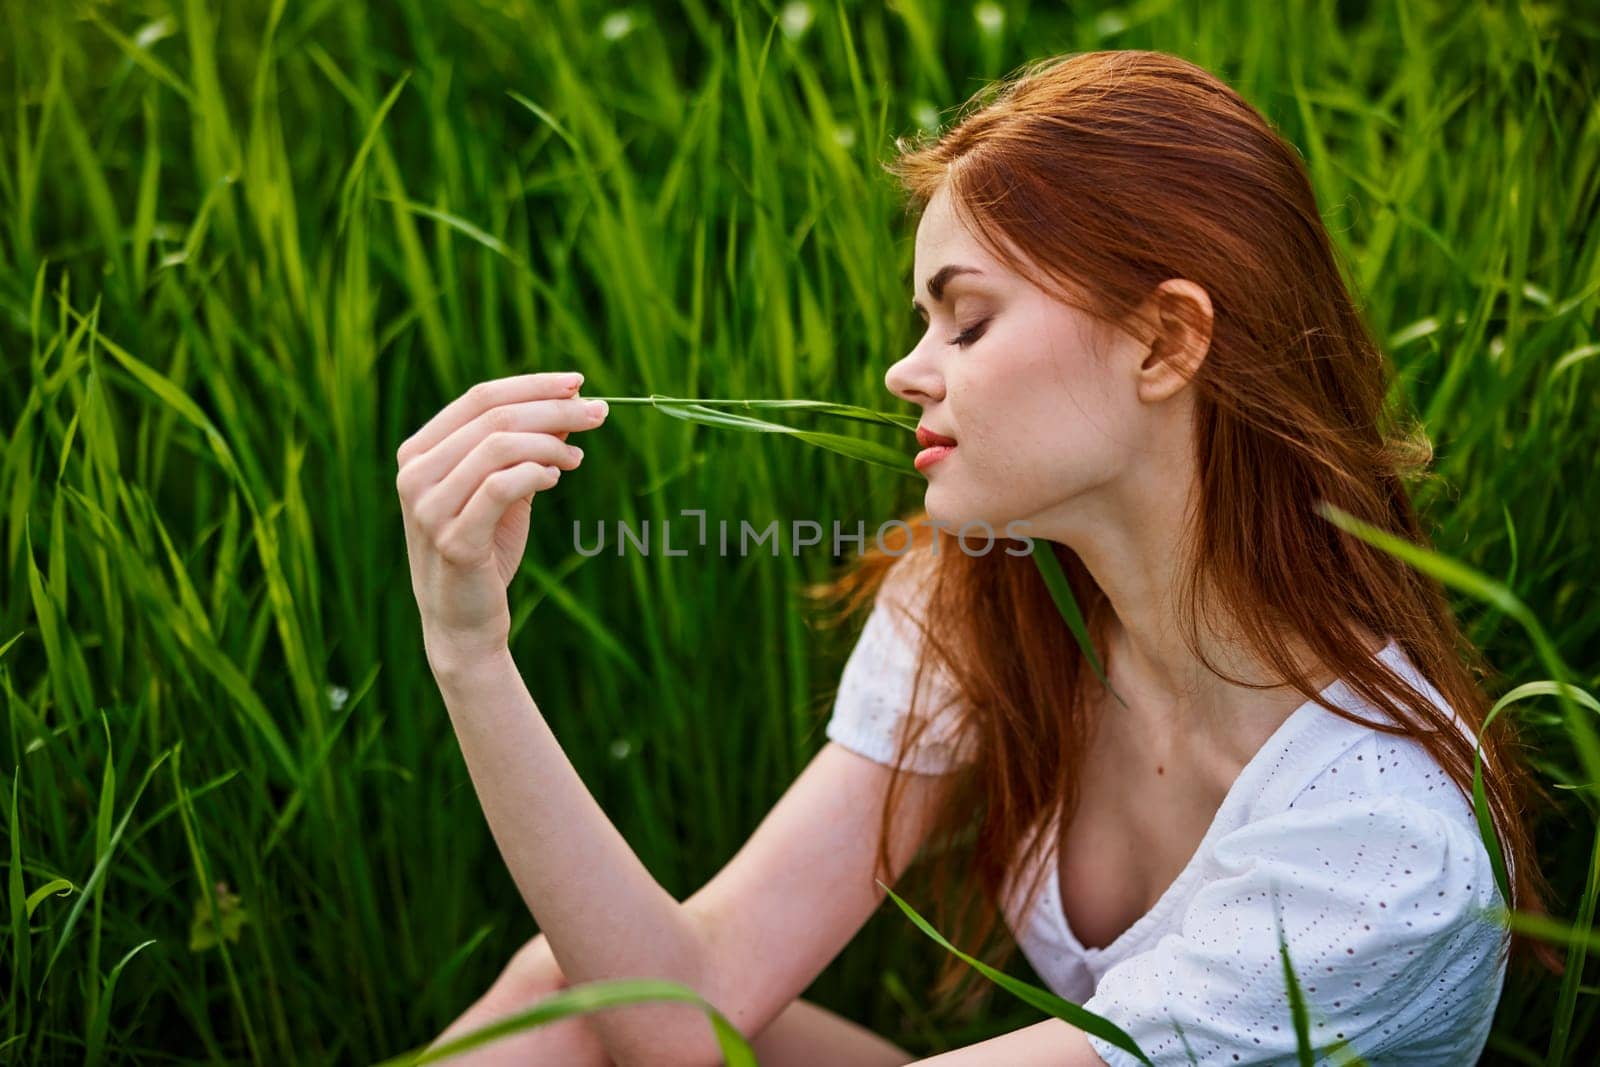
(936, 283)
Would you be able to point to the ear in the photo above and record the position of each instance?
(1179, 341)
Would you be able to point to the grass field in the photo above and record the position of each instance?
(247, 248)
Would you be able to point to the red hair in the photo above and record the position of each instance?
(1111, 172)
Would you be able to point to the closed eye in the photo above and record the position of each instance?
(970, 334)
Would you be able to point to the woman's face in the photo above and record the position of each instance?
(1044, 402)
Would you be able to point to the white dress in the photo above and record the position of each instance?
(1361, 843)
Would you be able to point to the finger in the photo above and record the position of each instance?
(470, 534)
(547, 416)
(499, 450)
(483, 396)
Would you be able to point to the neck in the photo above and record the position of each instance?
(1131, 536)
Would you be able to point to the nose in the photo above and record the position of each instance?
(914, 378)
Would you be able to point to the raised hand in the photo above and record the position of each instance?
(466, 481)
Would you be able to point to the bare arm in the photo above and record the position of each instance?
(1052, 1043)
(773, 944)
(776, 914)
(801, 887)
(806, 881)
(466, 482)
(573, 1042)
(803, 884)
(602, 912)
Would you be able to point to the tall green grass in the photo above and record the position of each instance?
(246, 249)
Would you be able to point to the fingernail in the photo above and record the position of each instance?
(577, 453)
(598, 408)
(574, 380)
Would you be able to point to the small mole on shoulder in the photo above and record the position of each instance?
(1160, 769)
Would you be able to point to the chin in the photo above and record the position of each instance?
(955, 511)
(945, 507)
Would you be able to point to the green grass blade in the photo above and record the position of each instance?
(1061, 592)
(1042, 999)
(99, 871)
(1460, 576)
(21, 954)
(347, 188)
(817, 407)
(94, 1051)
(1480, 800)
(1297, 1001)
(852, 447)
(585, 998)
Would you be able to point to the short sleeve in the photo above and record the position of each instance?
(1389, 910)
(872, 706)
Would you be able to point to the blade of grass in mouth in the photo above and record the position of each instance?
(818, 407)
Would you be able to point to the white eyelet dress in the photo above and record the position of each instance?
(1358, 840)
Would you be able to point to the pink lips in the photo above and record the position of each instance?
(934, 448)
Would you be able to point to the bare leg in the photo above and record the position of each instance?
(570, 1042)
(805, 1034)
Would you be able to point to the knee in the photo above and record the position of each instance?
(531, 971)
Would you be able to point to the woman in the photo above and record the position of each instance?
(1140, 345)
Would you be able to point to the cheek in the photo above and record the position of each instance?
(1040, 425)
(1013, 408)
(996, 473)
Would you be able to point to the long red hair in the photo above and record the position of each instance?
(1113, 171)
